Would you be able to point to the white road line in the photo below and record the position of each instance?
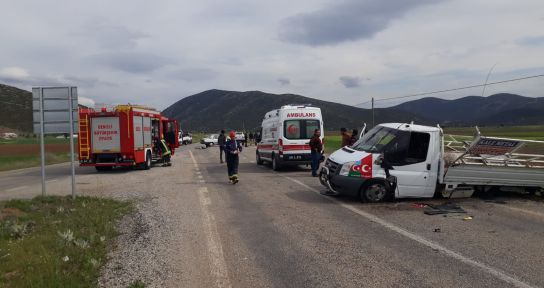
(193, 158)
(52, 180)
(200, 177)
(493, 271)
(217, 258)
(16, 188)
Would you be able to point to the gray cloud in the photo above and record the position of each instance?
(344, 20)
(25, 79)
(132, 62)
(194, 74)
(284, 81)
(532, 41)
(111, 36)
(351, 82)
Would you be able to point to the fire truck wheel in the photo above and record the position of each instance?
(147, 164)
(275, 165)
(258, 158)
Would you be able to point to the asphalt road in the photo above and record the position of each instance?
(274, 229)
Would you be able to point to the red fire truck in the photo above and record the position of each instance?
(126, 135)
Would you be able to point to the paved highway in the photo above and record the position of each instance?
(274, 229)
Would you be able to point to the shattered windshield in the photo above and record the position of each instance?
(375, 140)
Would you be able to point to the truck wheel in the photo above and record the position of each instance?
(275, 163)
(258, 158)
(147, 164)
(374, 192)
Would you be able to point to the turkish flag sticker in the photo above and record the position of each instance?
(366, 167)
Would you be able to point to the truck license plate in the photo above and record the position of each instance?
(295, 157)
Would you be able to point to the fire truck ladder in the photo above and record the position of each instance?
(84, 148)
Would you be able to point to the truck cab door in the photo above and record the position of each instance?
(173, 127)
(171, 133)
(410, 166)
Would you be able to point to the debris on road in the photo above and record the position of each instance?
(467, 218)
(445, 208)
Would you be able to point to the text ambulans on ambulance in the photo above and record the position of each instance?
(286, 133)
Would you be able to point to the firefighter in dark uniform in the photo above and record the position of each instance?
(232, 149)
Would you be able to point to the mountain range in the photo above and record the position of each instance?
(15, 109)
(215, 109)
(497, 109)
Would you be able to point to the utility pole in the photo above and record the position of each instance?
(372, 112)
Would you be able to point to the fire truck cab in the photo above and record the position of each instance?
(126, 135)
(285, 135)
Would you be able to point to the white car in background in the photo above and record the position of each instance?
(186, 139)
(210, 140)
(240, 137)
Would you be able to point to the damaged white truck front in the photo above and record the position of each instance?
(400, 160)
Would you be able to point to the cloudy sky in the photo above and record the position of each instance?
(156, 52)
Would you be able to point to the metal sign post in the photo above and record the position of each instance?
(55, 111)
(42, 141)
(70, 97)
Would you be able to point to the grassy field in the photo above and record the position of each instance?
(535, 132)
(12, 162)
(25, 152)
(56, 241)
(332, 143)
(32, 140)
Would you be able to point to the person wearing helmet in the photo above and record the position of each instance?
(232, 149)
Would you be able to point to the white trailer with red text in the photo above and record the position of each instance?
(285, 134)
(399, 160)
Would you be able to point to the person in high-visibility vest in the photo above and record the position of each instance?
(232, 149)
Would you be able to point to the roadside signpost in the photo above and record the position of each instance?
(55, 111)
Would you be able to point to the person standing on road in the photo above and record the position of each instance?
(257, 138)
(251, 137)
(354, 137)
(221, 141)
(346, 138)
(317, 151)
(245, 139)
(232, 149)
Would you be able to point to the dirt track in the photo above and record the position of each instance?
(32, 149)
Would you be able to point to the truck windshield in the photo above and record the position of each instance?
(300, 129)
(375, 140)
(399, 147)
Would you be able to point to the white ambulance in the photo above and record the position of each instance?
(285, 134)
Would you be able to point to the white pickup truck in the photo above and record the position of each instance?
(400, 160)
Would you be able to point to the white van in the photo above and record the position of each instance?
(285, 134)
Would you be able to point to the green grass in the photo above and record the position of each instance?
(31, 140)
(332, 143)
(56, 241)
(534, 132)
(12, 162)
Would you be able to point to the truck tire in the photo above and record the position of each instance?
(276, 166)
(374, 192)
(147, 163)
(258, 158)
